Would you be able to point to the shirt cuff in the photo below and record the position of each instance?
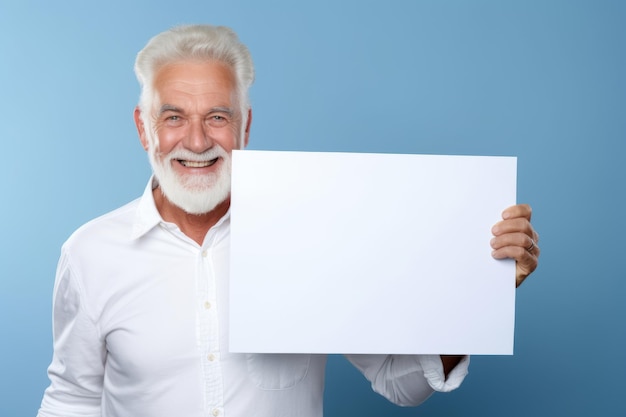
(433, 372)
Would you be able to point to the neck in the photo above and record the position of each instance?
(196, 226)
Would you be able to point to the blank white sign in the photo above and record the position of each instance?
(369, 253)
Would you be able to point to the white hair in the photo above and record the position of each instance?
(194, 43)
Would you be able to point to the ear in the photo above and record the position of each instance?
(141, 129)
(247, 132)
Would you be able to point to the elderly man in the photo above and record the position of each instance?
(141, 293)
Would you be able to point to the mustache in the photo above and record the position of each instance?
(186, 155)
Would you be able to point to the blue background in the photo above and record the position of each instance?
(542, 80)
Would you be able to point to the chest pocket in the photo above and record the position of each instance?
(277, 371)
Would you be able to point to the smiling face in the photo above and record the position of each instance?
(195, 124)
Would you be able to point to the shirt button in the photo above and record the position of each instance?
(207, 305)
(204, 253)
(216, 412)
(210, 357)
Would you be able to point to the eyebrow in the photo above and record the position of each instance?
(169, 107)
(218, 109)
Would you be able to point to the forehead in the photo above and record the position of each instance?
(194, 79)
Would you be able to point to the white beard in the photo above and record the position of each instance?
(195, 194)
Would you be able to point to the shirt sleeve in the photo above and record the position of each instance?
(77, 368)
(408, 380)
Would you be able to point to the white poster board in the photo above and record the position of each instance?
(369, 253)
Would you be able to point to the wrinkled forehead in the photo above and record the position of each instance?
(195, 81)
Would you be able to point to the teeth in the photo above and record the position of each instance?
(198, 164)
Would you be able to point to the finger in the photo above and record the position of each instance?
(514, 239)
(518, 210)
(531, 247)
(516, 225)
(515, 251)
(526, 262)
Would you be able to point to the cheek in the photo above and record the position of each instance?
(167, 140)
(228, 138)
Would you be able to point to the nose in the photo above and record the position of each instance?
(198, 138)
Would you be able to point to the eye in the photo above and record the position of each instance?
(217, 120)
(173, 120)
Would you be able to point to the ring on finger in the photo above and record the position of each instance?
(532, 246)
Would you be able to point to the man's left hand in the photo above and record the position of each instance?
(515, 238)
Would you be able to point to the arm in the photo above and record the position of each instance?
(408, 380)
(77, 368)
(514, 237)
(449, 362)
(411, 379)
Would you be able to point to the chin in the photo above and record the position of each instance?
(200, 203)
(194, 194)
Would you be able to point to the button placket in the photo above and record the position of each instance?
(209, 335)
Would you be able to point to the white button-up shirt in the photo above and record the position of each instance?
(140, 325)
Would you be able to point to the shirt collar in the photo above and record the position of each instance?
(147, 215)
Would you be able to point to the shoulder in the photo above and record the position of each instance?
(113, 226)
